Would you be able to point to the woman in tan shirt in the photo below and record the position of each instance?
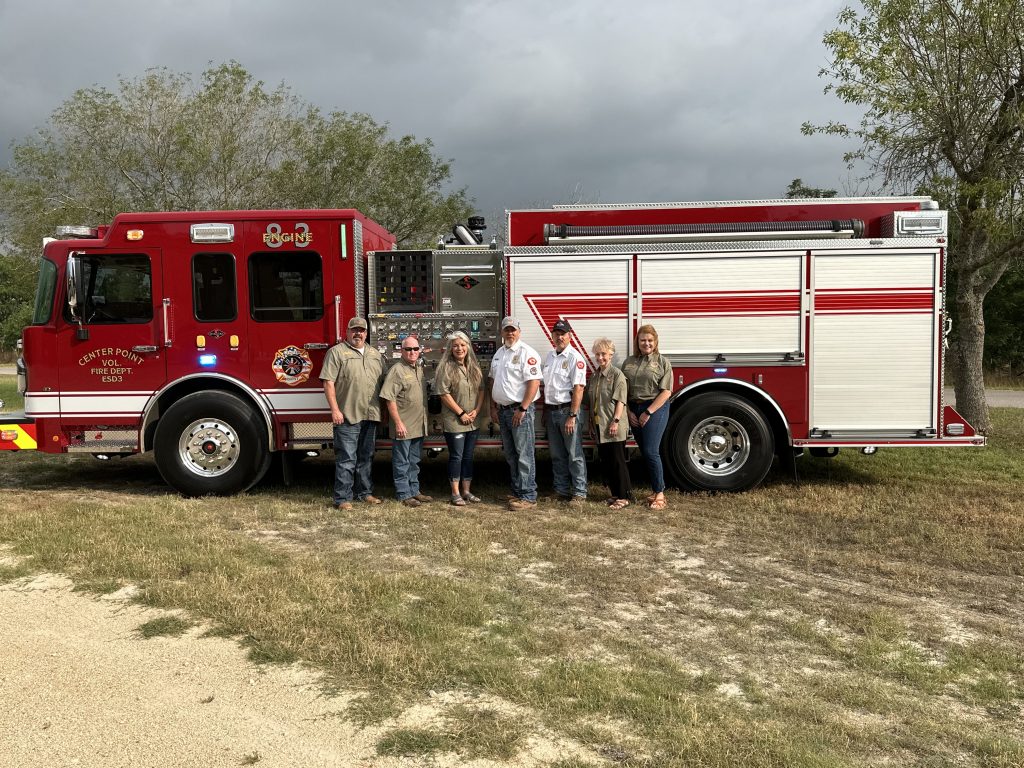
(649, 377)
(459, 382)
(606, 396)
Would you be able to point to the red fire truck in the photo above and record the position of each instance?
(792, 326)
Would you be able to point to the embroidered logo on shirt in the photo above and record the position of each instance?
(531, 361)
(580, 365)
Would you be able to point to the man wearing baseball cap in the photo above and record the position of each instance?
(515, 376)
(352, 375)
(565, 379)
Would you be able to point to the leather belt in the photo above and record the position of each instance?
(558, 407)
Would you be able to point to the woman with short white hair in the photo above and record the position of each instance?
(606, 396)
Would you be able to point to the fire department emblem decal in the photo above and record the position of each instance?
(292, 365)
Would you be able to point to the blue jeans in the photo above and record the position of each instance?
(405, 466)
(354, 444)
(460, 454)
(567, 462)
(518, 443)
(648, 438)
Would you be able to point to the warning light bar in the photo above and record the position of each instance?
(212, 233)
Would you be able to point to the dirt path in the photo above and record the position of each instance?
(78, 687)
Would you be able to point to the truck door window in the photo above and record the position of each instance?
(45, 289)
(118, 289)
(213, 287)
(286, 286)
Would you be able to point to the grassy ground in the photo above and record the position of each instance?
(869, 614)
(9, 394)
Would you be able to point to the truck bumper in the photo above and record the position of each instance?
(17, 432)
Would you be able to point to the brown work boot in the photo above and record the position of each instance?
(344, 506)
(518, 504)
(371, 499)
(412, 501)
(423, 498)
(577, 502)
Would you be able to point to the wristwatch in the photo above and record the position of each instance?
(615, 421)
(520, 408)
(573, 415)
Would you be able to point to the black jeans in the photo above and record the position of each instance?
(614, 468)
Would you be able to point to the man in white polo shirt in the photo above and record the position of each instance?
(565, 378)
(515, 376)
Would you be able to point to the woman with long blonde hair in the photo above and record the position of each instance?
(649, 379)
(459, 382)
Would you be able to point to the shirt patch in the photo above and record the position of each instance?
(533, 371)
(531, 361)
(580, 365)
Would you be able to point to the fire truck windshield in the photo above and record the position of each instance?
(45, 290)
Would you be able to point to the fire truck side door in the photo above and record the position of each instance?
(107, 378)
(208, 313)
(290, 316)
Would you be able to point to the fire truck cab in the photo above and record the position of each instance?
(198, 336)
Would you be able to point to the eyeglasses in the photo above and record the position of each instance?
(410, 349)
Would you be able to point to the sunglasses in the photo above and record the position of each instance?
(410, 349)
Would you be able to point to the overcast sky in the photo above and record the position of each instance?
(647, 100)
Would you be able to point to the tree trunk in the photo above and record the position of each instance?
(969, 356)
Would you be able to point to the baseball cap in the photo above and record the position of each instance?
(562, 326)
(510, 321)
(358, 322)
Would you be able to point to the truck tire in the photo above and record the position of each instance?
(211, 444)
(718, 442)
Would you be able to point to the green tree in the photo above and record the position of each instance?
(1004, 324)
(797, 188)
(942, 85)
(17, 284)
(222, 141)
(349, 160)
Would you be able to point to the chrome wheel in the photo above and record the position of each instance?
(719, 446)
(209, 447)
(717, 441)
(211, 443)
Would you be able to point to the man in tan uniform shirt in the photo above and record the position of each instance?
(352, 375)
(404, 392)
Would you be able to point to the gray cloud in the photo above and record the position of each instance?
(641, 101)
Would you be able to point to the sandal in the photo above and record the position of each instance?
(657, 503)
(458, 501)
(471, 498)
(619, 504)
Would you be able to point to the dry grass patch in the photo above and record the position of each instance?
(869, 614)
